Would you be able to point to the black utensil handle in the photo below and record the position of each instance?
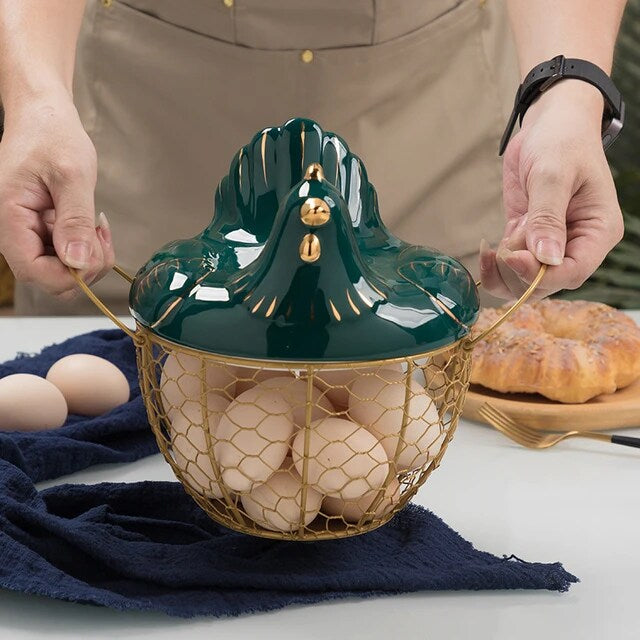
(627, 441)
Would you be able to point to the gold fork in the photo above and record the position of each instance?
(535, 439)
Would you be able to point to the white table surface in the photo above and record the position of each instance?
(577, 503)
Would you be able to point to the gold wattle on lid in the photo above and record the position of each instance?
(310, 248)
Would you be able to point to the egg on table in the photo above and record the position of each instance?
(91, 385)
(336, 383)
(344, 459)
(181, 379)
(294, 391)
(277, 504)
(252, 438)
(30, 403)
(378, 404)
(188, 429)
(354, 510)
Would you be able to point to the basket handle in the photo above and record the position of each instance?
(471, 342)
(101, 305)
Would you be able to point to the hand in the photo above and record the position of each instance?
(559, 198)
(47, 182)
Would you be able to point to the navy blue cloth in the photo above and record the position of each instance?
(148, 546)
(123, 435)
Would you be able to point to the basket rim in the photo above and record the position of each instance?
(276, 363)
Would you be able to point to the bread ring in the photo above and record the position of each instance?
(569, 351)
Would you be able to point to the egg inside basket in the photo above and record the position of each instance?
(302, 368)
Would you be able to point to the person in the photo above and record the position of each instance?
(166, 92)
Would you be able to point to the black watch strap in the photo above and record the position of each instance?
(546, 74)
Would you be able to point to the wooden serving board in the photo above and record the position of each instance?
(613, 411)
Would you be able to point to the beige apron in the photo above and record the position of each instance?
(168, 90)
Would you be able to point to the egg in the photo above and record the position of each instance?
(438, 371)
(180, 380)
(189, 443)
(252, 438)
(294, 391)
(30, 403)
(345, 460)
(354, 510)
(436, 445)
(249, 377)
(91, 385)
(336, 383)
(277, 504)
(378, 404)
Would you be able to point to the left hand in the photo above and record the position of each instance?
(559, 198)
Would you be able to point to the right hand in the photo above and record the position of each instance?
(48, 172)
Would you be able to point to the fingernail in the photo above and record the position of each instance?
(485, 260)
(103, 221)
(549, 252)
(105, 227)
(77, 255)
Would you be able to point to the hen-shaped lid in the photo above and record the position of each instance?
(296, 265)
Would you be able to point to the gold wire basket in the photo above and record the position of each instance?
(346, 449)
(298, 450)
(303, 370)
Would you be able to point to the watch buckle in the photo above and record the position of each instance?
(557, 65)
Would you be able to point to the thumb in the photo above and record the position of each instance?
(74, 229)
(546, 226)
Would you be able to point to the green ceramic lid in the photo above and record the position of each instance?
(296, 265)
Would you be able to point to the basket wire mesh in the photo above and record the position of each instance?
(301, 451)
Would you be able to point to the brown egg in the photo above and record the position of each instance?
(189, 442)
(252, 438)
(353, 510)
(294, 391)
(345, 460)
(336, 383)
(249, 377)
(30, 403)
(436, 446)
(91, 385)
(181, 379)
(437, 371)
(378, 404)
(277, 504)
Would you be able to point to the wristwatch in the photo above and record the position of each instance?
(546, 74)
